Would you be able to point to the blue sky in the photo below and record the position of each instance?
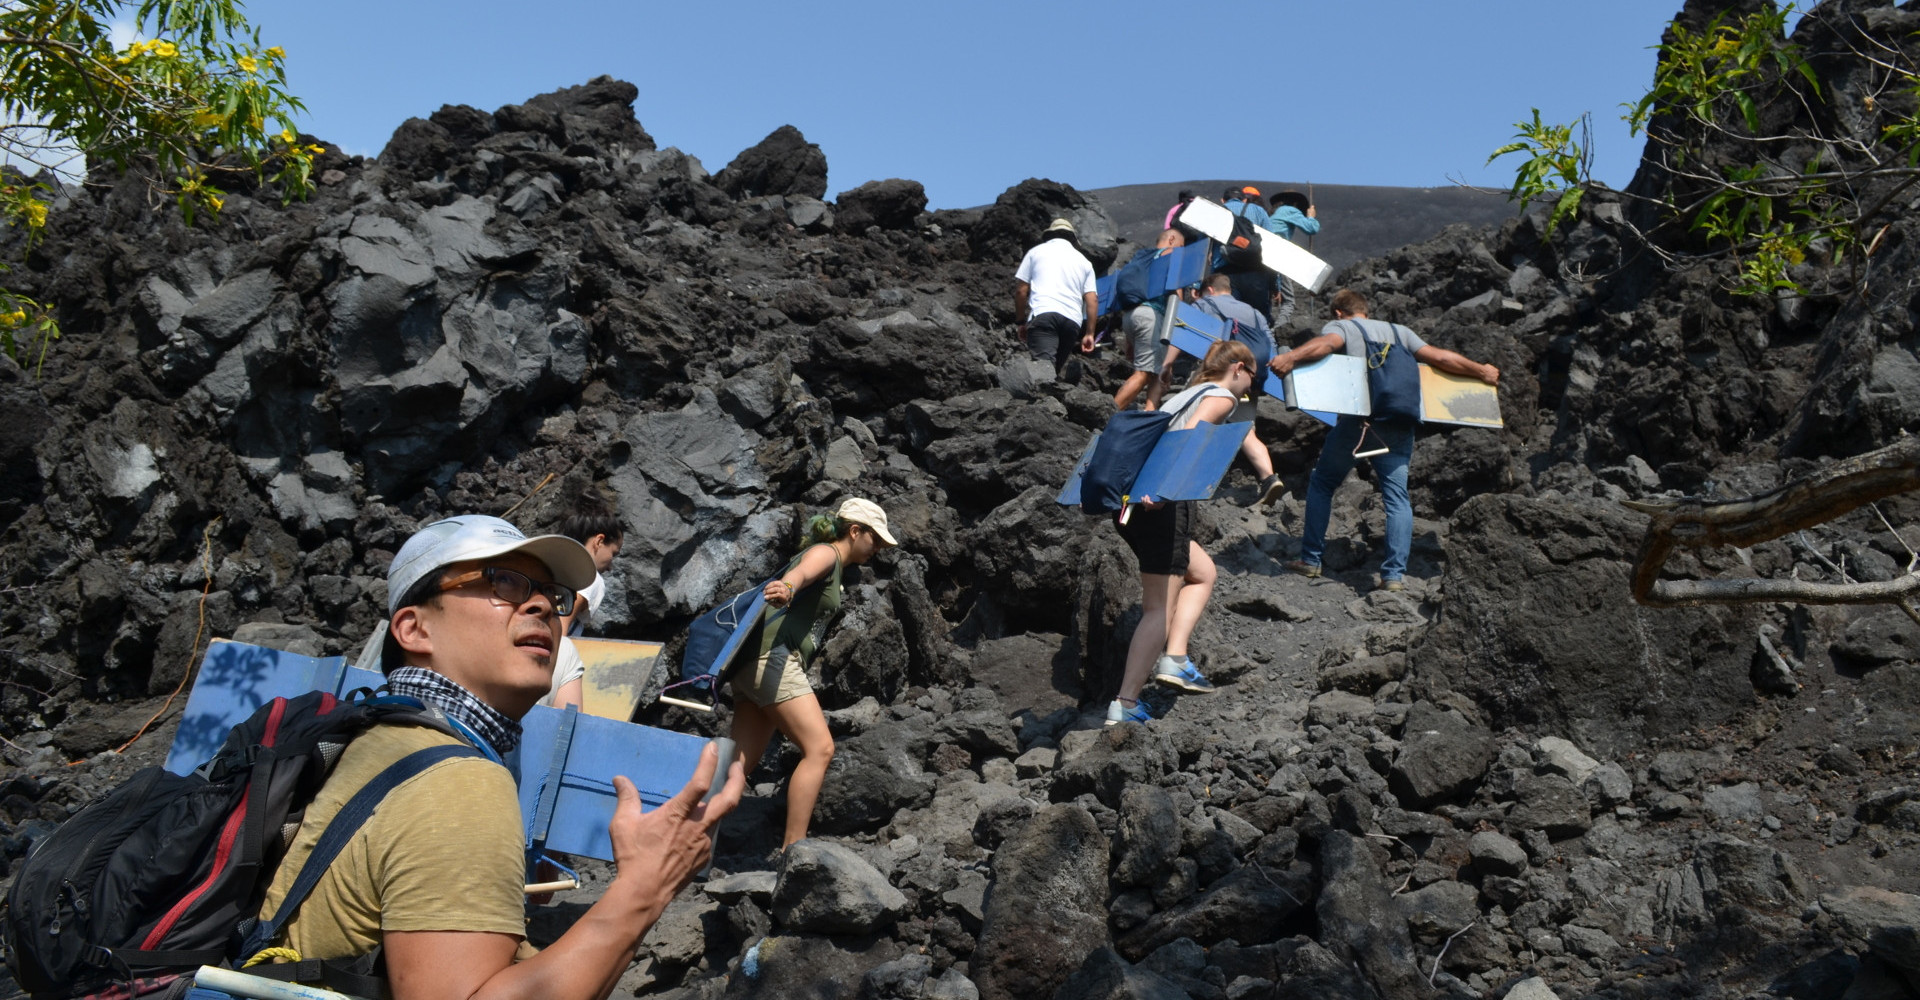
(970, 98)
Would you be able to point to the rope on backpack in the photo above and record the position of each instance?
(266, 953)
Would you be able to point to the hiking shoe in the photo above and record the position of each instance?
(1119, 711)
(1181, 673)
(1309, 570)
(1393, 586)
(1272, 491)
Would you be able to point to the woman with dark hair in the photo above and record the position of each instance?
(1176, 575)
(773, 693)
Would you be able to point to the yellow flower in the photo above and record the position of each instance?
(136, 48)
(276, 53)
(214, 202)
(14, 318)
(208, 119)
(316, 150)
(286, 135)
(36, 213)
(247, 63)
(165, 50)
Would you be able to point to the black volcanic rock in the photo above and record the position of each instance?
(784, 163)
(890, 204)
(1016, 219)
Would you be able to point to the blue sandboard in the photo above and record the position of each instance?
(1189, 464)
(236, 678)
(1103, 288)
(1070, 493)
(1166, 273)
(583, 751)
(582, 766)
(748, 619)
(1196, 330)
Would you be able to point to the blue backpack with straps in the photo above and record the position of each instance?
(1393, 376)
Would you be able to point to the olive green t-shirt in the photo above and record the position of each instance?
(443, 852)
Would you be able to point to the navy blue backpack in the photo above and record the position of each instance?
(1116, 461)
(1393, 377)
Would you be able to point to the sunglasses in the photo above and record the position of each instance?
(514, 587)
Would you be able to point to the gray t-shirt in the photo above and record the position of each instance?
(1379, 330)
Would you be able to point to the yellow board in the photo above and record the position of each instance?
(617, 673)
(1453, 399)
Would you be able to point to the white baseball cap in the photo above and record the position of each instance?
(868, 513)
(480, 536)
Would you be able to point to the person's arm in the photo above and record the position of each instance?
(1091, 301)
(1021, 291)
(1457, 364)
(1214, 409)
(1307, 353)
(570, 693)
(814, 565)
(656, 853)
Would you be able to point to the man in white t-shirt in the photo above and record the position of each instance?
(1054, 297)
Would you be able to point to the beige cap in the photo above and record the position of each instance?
(868, 513)
(1061, 226)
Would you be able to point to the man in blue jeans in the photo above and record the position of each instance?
(1349, 331)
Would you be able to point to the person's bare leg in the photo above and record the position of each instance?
(801, 721)
(1194, 590)
(1130, 389)
(1149, 638)
(752, 728)
(1257, 455)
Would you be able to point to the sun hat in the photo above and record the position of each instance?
(480, 536)
(868, 513)
(1056, 226)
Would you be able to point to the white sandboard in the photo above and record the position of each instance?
(1336, 383)
(1277, 253)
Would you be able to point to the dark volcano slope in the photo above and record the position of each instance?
(1510, 771)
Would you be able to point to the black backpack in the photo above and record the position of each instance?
(1242, 250)
(167, 872)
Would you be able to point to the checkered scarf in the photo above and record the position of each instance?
(437, 690)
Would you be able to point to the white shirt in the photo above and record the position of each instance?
(593, 595)
(567, 666)
(1058, 277)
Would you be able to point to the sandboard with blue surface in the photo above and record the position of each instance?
(1197, 330)
(1178, 268)
(1189, 464)
(564, 766)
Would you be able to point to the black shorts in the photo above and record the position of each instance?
(1161, 539)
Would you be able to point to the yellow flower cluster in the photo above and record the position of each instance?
(248, 63)
(14, 319)
(35, 211)
(276, 53)
(161, 49)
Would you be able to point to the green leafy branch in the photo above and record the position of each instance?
(1556, 163)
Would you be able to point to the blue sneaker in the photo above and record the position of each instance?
(1181, 673)
(1118, 712)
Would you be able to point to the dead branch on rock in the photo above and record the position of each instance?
(1803, 503)
(1443, 951)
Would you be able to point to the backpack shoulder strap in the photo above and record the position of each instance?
(341, 829)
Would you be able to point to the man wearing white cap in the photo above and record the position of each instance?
(435, 877)
(1054, 297)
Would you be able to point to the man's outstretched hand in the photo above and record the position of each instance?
(667, 846)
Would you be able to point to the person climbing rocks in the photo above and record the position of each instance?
(1292, 212)
(1176, 574)
(1054, 298)
(773, 693)
(1350, 331)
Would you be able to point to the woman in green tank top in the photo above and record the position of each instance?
(774, 694)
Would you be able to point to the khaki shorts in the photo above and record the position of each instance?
(776, 677)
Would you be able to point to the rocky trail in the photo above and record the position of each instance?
(1509, 780)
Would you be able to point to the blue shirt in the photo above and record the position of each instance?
(1287, 218)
